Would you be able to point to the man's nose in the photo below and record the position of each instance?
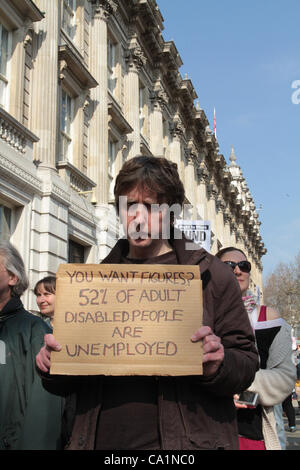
(141, 214)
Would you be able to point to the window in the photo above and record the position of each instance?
(76, 252)
(66, 117)
(5, 223)
(111, 66)
(68, 17)
(112, 153)
(4, 56)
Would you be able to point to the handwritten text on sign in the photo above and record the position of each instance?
(127, 320)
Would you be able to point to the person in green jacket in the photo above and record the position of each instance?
(30, 417)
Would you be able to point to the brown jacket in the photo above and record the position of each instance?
(194, 412)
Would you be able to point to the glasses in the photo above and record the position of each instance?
(244, 266)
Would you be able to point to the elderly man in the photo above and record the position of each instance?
(30, 417)
(142, 413)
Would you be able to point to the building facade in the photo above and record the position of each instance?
(84, 86)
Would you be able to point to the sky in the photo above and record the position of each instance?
(243, 59)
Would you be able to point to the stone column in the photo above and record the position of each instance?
(135, 61)
(190, 182)
(98, 129)
(227, 236)
(45, 91)
(202, 179)
(177, 133)
(221, 207)
(156, 125)
(241, 237)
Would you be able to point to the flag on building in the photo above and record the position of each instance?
(215, 128)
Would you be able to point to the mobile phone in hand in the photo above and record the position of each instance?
(248, 398)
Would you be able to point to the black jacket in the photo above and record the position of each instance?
(30, 417)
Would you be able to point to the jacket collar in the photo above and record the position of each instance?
(12, 307)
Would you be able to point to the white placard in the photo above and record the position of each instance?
(198, 231)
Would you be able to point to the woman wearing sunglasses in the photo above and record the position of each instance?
(276, 377)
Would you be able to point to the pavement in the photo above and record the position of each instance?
(293, 438)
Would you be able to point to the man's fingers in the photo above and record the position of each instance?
(216, 354)
(211, 343)
(238, 405)
(213, 350)
(51, 344)
(201, 333)
(43, 359)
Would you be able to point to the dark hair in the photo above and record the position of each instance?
(227, 250)
(154, 173)
(49, 283)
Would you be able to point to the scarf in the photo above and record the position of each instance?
(250, 302)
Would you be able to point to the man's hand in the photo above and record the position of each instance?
(43, 358)
(213, 350)
(239, 405)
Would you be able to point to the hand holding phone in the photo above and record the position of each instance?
(249, 399)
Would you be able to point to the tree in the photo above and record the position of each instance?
(282, 290)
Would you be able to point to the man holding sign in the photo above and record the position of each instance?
(176, 410)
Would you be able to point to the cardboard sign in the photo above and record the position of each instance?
(127, 320)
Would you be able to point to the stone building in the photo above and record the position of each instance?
(85, 85)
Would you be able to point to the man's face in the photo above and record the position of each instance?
(143, 223)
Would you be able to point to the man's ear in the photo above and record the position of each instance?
(12, 279)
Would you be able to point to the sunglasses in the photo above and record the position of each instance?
(244, 266)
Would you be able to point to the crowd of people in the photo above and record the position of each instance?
(246, 348)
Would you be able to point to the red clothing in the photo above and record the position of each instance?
(250, 444)
(262, 313)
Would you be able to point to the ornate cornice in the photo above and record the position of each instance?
(159, 98)
(135, 57)
(191, 154)
(227, 215)
(220, 203)
(103, 9)
(212, 190)
(53, 190)
(202, 173)
(177, 129)
(18, 173)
